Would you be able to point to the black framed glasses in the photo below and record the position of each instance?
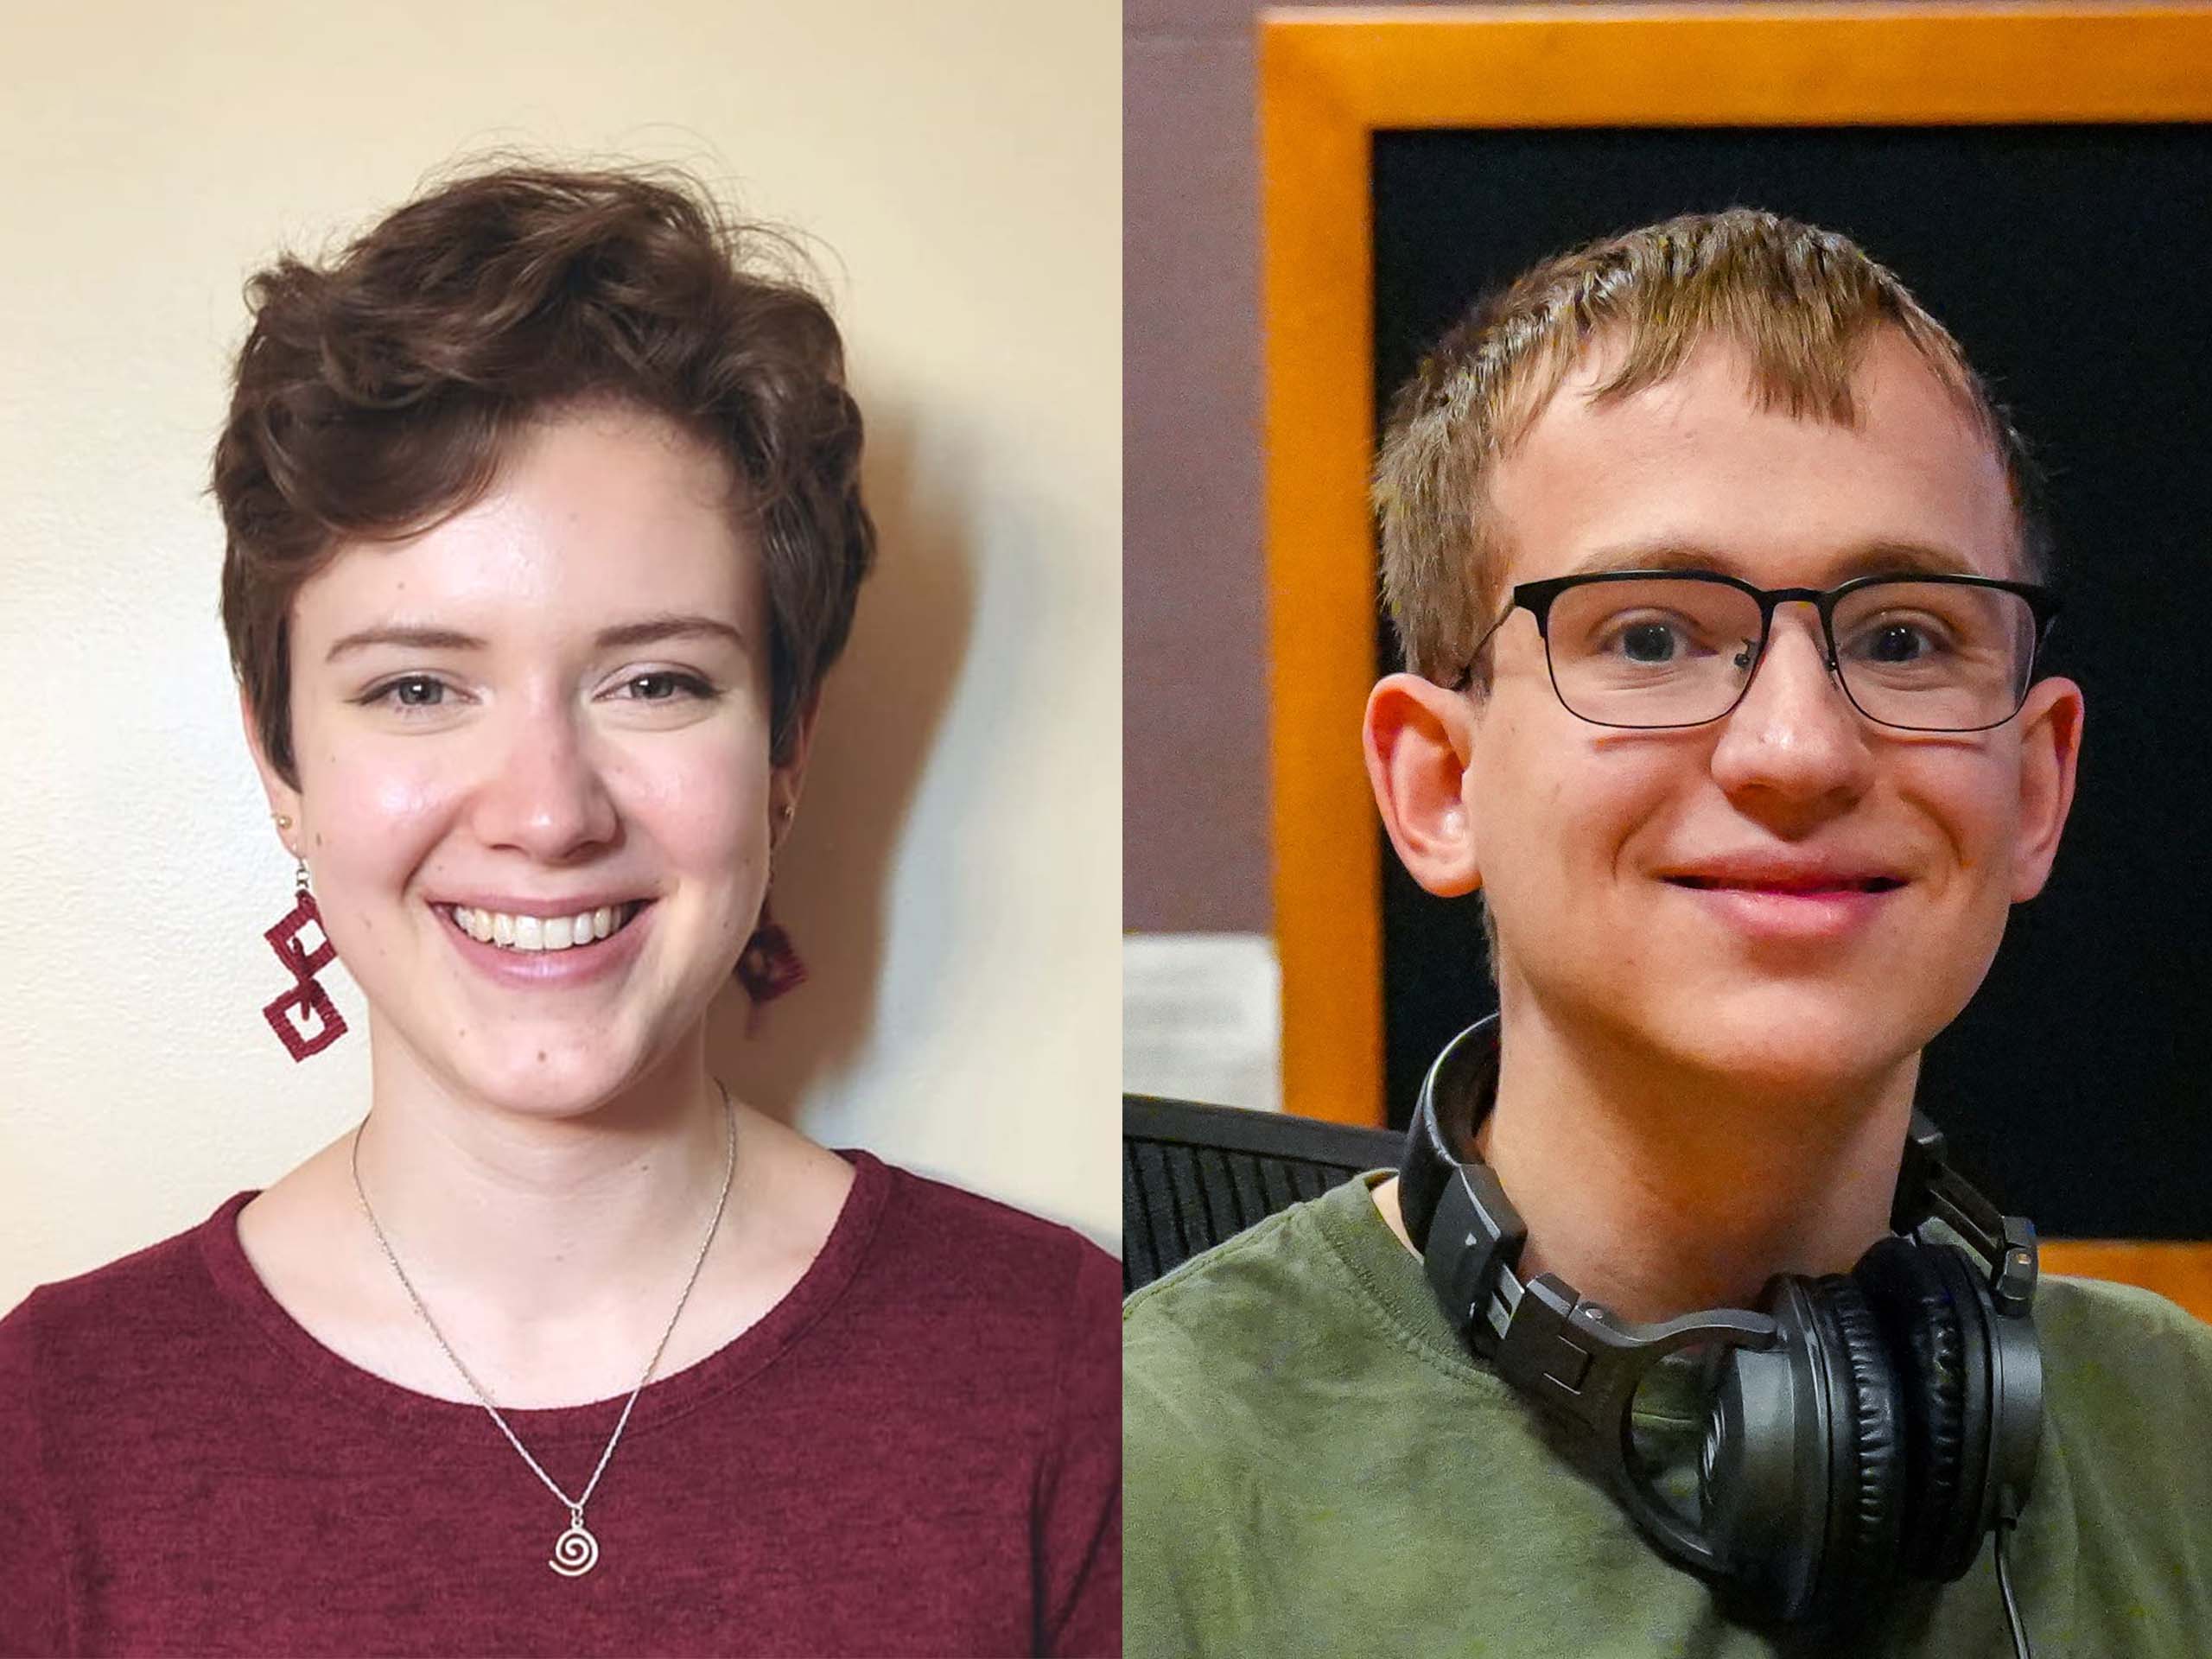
(1647, 649)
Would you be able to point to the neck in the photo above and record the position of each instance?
(1658, 1188)
(518, 1220)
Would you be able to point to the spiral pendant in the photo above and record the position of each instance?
(577, 1551)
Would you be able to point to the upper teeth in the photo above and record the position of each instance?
(541, 932)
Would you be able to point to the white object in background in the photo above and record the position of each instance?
(1202, 1018)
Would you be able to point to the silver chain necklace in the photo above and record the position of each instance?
(576, 1552)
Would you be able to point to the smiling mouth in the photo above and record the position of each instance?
(541, 936)
(1706, 883)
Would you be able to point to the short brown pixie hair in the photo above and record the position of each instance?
(377, 394)
(1802, 303)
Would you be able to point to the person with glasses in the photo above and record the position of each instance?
(1722, 589)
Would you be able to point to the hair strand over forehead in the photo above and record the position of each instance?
(377, 393)
(1801, 303)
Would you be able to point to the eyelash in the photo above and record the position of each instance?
(382, 696)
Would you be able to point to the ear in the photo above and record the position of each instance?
(1417, 737)
(283, 799)
(2051, 753)
(785, 781)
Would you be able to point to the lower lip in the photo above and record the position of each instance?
(580, 964)
(1772, 914)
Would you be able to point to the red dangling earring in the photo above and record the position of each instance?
(769, 965)
(306, 995)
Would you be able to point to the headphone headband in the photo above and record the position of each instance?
(1461, 1086)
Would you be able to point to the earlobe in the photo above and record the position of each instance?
(283, 800)
(785, 780)
(1417, 738)
(2050, 755)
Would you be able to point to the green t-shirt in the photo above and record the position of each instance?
(1313, 1464)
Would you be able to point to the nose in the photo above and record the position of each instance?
(1795, 751)
(543, 789)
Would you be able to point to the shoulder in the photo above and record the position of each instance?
(1242, 1332)
(937, 1242)
(2113, 1346)
(1218, 1296)
(94, 1323)
(2127, 1401)
(2122, 1478)
(97, 1360)
(2087, 1317)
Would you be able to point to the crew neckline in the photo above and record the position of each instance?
(1391, 1277)
(744, 1356)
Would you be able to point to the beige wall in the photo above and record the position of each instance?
(954, 879)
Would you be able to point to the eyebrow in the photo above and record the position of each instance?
(1882, 558)
(644, 631)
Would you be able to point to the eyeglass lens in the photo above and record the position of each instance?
(1660, 651)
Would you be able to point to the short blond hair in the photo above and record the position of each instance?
(1800, 302)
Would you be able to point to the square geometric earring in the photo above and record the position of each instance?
(309, 998)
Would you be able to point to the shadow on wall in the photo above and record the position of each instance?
(882, 709)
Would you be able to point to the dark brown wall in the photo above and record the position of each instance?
(1194, 810)
(1195, 805)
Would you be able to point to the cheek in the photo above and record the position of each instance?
(1972, 799)
(376, 820)
(708, 812)
(1554, 812)
(1598, 808)
(376, 823)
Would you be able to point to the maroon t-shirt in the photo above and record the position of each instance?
(917, 1451)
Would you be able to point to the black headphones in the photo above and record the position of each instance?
(1862, 1426)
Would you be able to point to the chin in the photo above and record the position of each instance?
(1794, 1040)
(550, 1076)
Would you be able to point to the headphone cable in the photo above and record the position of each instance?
(2020, 1648)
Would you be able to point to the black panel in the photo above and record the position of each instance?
(2071, 264)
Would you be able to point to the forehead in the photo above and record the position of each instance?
(1693, 470)
(595, 514)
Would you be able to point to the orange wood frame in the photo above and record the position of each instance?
(1328, 80)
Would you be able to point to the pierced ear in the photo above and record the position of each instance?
(283, 799)
(2050, 757)
(1417, 737)
(786, 779)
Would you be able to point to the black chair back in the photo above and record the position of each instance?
(1193, 1175)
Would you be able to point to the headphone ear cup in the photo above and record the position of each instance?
(1867, 1454)
(1930, 1304)
(1801, 1480)
(1761, 1470)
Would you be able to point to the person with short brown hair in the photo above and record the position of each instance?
(1722, 588)
(544, 525)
